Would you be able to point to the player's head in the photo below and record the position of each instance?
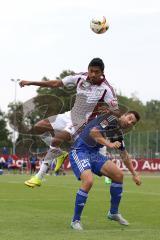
(95, 70)
(129, 119)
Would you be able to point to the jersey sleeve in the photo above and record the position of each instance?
(111, 99)
(71, 80)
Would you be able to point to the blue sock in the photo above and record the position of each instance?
(81, 199)
(116, 193)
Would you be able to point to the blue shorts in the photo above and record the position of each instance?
(82, 160)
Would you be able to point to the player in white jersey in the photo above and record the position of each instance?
(91, 90)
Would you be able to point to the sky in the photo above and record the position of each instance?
(44, 37)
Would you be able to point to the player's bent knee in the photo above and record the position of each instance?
(42, 126)
(42, 123)
(119, 176)
(87, 184)
(48, 162)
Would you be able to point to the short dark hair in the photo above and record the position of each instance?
(136, 114)
(97, 62)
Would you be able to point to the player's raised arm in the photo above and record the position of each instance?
(50, 84)
(128, 163)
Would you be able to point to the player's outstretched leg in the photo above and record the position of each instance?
(80, 202)
(116, 193)
(116, 189)
(50, 156)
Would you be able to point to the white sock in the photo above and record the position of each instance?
(52, 153)
(42, 171)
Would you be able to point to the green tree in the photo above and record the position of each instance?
(52, 101)
(153, 113)
(64, 94)
(5, 138)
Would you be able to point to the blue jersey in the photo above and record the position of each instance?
(108, 126)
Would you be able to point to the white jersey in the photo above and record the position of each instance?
(88, 97)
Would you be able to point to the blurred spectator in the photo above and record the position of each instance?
(9, 163)
(2, 162)
(33, 161)
(5, 150)
(23, 166)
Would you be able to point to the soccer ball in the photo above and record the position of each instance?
(99, 25)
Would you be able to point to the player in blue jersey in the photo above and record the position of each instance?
(85, 158)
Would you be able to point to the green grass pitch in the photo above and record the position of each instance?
(45, 213)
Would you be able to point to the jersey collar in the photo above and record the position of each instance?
(100, 82)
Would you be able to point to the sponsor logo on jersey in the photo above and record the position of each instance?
(104, 123)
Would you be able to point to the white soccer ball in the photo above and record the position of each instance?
(99, 25)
